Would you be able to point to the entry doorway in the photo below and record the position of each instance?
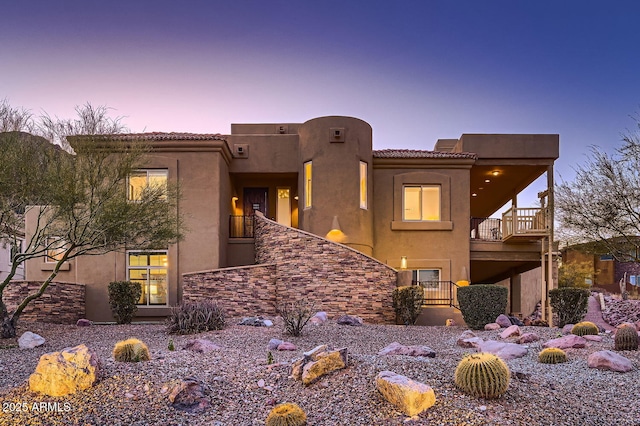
(283, 206)
(255, 199)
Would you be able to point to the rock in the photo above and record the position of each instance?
(528, 338)
(65, 372)
(565, 342)
(318, 362)
(267, 323)
(188, 395)
(319, 318)
(30, 340)
(201, 346)
(287, 346)
(504, 350)
(512, 330)
(274, 343)
(470, 342)
(503, 321)
(256, 322)
(467, 334)
(515, 321)
(450, 322)
(609, 360)
(396, 348)
(592, 338)
(408, 396)
(350, 320)
(82, 322)
(617, 312)
(567, 328)
(492, 326)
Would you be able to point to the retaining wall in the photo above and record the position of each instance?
(61, 303)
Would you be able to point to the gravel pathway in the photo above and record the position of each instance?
(137, 393)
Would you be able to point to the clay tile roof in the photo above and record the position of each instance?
(419, 153)
(157, 136)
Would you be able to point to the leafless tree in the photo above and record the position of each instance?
(15, 119)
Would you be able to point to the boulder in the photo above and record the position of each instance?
(201, 346)
(396, 348)
(319, 318)
(408, 396)
(609, 360)
(471, 342)
(450, 322)
(65, 372)
(287, 346)
(188, 395)
(592, 338)
(492, 326)
(567, 328)
(565, 342)
(467, 334)
(350, 320)
(274, 343)
(30, 340)
(503, 321)
(83, 322)
(256, 322)
(504, 350)
(512, 330)
(516, 321)
(318, 362)
(528, 338)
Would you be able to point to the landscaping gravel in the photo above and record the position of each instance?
(242, 388)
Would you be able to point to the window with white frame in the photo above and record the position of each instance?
(140, 180)
(363, 185)
(421, 203)
(149, 270)
(429, 279)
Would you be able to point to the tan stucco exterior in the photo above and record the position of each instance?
(217, 172)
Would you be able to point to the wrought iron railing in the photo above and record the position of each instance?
(439, 293)
(486, 229)
(241, 226)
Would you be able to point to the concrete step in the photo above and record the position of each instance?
(438, 315)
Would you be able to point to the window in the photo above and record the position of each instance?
(149, 269)
(55, 249)
(421, 203)
(427, 278)
(606, 257)
(307, 184)
(139, 180)
(363, 185)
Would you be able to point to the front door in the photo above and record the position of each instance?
(255, 199)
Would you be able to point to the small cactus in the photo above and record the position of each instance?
(286, 414)
(483, 375)
(269, 358)
(171, 346)
(626, 338)
(585, 327)
(131, 350)
(552, 356)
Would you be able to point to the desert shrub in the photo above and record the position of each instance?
(123, 296)
(286, 414)
(575, 274)
(552, 356)
(131, 350)
(407, 301)
(626, 338)
(195, 317)
(585, 327)
(481, 304)
(569, 304)
(295, 315)
(482, 375)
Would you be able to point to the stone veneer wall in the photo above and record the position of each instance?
(61, 303)
(242, 291)
(296, 265)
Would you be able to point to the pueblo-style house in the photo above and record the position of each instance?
(284, 211)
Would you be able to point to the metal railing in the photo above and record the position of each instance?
(439, 293)
(241, 226)
(517, 221)
(486, 229)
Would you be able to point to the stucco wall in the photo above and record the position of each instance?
(62, 303)
(296, 265)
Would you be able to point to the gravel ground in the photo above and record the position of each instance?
(136, 393)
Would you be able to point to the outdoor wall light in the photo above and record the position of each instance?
(487, 180)
(474, 195)
(403, 262)
(495, 172)
(234, 198)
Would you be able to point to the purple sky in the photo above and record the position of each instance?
(415, 70)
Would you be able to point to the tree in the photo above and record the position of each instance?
(601, 207)
(15, 119)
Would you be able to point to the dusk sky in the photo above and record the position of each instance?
(416, 71)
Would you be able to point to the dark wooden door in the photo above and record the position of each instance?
(255, 199)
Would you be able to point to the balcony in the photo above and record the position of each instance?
(241, 226)
(516, 225)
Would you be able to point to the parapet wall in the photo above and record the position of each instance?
(61, 303)
(296, 265)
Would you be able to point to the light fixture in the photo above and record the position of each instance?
(474, 195)
(495, 172)
(234, 198)
(487, 180)
(295, 198)
(403, 262)
(335, 234)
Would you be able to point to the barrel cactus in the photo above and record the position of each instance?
(482, 375)
(131, 350)
(552, 356)
(626, 338)
(585, 327)
(286, 414)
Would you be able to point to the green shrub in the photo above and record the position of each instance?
(585, 327)
(195, 317)
(569, 304)
(131, 350)
(626, 338)
(123, 297)
(482, 375)
(552, 356)
(286, 414)
(482, 303)
(295, 315)
(407, 301)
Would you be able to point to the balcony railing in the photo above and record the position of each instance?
(516, 221)
(439, 293)
(241, 226)
(486, 229)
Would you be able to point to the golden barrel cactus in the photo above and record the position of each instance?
(552, 356)
(131, 350)
(585, 327)
(286, 414)
(626, 338)
(483, 375)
